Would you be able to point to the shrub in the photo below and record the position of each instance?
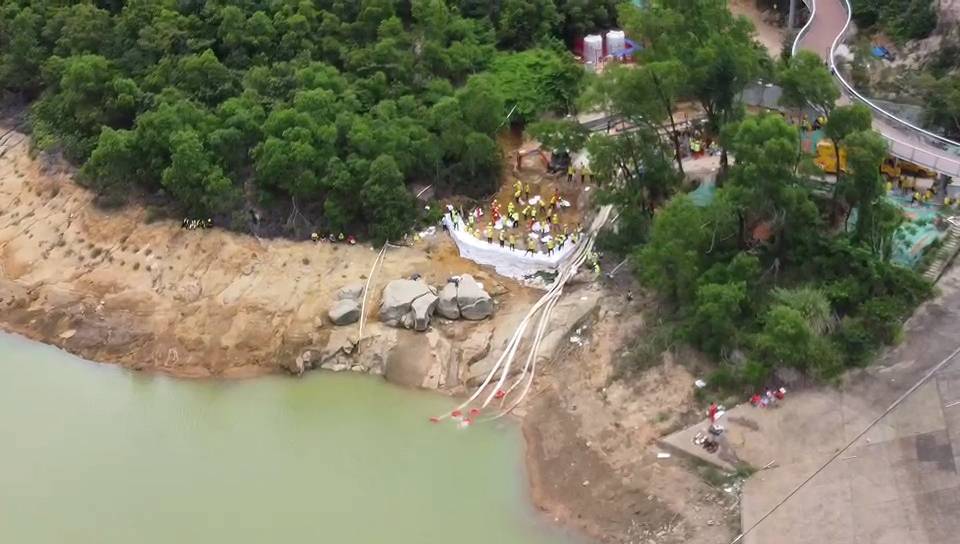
(854, 341)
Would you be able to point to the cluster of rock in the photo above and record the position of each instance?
(412, 303)
(346, 309)
(460, 354)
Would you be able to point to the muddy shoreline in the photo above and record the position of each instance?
(114, 288)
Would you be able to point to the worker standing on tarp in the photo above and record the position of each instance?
(531, 247)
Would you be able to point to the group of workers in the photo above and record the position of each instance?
(317, 237)
(923, 197)
(697, 143)
(920, 197)
(817, 123)
(541, 217)
(575, 173)
(193, 224)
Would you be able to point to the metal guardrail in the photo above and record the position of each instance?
(905, 150)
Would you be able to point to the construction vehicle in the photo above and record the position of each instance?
(892, 167)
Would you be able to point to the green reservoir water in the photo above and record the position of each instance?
(96, 454)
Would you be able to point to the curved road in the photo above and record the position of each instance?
(820, 36)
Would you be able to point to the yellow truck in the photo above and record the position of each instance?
(892, 167)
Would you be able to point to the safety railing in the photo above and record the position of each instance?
(812, 6)
(944, 164)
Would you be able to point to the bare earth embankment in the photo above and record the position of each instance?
(113, 288)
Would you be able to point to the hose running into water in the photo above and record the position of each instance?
(366, 289)
(546, 303)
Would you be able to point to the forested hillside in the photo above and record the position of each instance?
(329, 106)
(902, 19)
(771, 268)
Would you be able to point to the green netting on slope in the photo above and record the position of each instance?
(809, 141)
(703, 195)
(916, 234)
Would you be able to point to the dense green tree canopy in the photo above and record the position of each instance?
(314, 103)
(942, 104)
(711, 56)
(903, 19)
(806, 80)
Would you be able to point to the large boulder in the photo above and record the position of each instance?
(447, 305)
(422, 310)
(409, 362)
(345, 312)
(398, 297)
(352, 291)
(420, 361)
(473, 301)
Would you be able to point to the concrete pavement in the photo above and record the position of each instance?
(898, 484)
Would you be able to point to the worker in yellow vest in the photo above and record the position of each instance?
(531, 247)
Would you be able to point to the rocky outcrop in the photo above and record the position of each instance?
(422, 309)
(352, 291)
(447, 306)
(474, 303)
(401, 305)
(411, 303)
(346, 309)
(344, 312)
(458, 354)
(421, 362)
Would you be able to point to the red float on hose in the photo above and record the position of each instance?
(456, 413)
(474, 411)
(500, 394)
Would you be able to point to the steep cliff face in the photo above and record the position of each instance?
(948, 13)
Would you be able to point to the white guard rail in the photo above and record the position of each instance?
(934, 156)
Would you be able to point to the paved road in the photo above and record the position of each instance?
(905, 143)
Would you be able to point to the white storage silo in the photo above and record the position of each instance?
(615, 42)
(593, 49)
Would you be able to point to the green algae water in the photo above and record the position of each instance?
(96, 454)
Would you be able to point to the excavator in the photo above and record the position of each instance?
(892, 167)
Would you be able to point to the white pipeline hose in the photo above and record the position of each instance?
(366, 289)
(546, 303)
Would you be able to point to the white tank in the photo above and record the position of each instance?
(593, 48)
(615, 42)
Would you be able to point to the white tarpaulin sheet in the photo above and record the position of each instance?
(513, 264)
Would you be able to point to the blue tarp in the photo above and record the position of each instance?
(880, 52)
